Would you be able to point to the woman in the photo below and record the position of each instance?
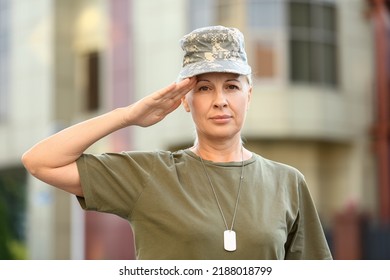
(215, 200)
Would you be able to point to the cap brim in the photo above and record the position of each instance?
(222, 66)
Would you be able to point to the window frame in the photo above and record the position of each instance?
(321, 64)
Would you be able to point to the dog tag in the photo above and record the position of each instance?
(229, 240)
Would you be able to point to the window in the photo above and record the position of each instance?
(265, 22)
(264, 60)
(93, 81)
(264, 14)
(313, 42)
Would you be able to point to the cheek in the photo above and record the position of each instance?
(241, 109)
(197, 104)
(246, 101)
(196, 110)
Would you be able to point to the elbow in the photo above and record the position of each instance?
(29, 163)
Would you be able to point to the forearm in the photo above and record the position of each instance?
(67, 145)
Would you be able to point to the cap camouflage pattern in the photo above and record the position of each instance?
(214, 49)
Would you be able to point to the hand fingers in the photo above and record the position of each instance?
(183, 88)
(176, 90)
(171, 96)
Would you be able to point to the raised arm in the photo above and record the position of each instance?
(53, 160)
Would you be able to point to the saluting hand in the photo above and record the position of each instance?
(155, 107)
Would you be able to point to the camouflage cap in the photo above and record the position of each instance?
(214, 49)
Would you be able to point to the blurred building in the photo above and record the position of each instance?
(313, 103)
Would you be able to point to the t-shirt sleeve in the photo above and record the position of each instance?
(113, 182)
(306, 240)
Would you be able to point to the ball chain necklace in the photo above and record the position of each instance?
(229, 235)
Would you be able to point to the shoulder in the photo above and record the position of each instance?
(123, 158)
(127, 155)
(137, 156)
(277, 168)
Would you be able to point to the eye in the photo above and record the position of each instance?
(233, 87)
(203, 88)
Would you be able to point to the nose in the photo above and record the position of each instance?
(220, 100)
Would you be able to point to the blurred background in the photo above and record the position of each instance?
(320, 103)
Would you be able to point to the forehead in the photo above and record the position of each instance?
(219, 76)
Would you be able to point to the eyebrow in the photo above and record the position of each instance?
(202, 80)
(228, 80)
(234, 80)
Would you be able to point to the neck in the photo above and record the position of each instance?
(220, 153)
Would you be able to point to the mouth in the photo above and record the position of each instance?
(217, 117)
(221, 118)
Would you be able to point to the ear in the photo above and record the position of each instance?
(185, 104)
(249, 96)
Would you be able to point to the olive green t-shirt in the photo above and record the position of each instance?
(174, 214)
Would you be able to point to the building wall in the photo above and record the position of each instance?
(30, 79)
(30, 109)
(321, 131)
(157, 59)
